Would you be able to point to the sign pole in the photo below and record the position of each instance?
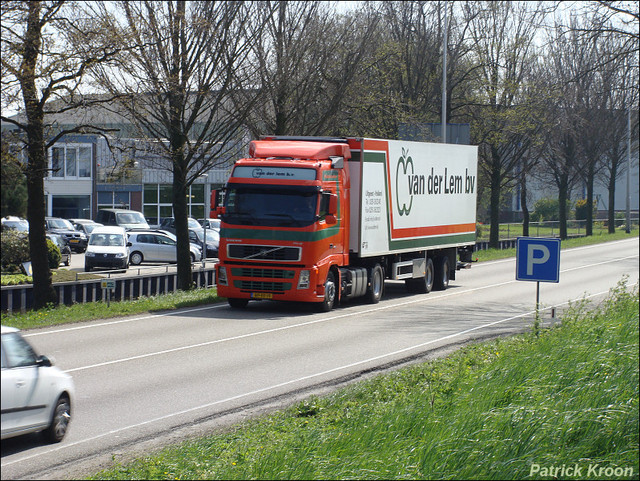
(537, 259)
(537, 300)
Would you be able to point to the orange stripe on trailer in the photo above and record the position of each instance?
(432, 230)
(378, 145)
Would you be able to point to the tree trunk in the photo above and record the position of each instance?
(611, 212)
(494, 232)
(590, 179)
(180, 214)
(43, 290)
(525, 207)
(563, 194)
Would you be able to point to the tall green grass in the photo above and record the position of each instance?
(489, 411)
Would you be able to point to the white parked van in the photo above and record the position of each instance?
(108, 247)
(129, 219)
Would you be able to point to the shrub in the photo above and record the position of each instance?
(15, 250)
(548, 209)
(581, 209)
(53, 255)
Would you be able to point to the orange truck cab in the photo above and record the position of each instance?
(324, 220)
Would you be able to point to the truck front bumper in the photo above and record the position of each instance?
(271, 283)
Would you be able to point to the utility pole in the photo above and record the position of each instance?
(628, 223)
(444, 78)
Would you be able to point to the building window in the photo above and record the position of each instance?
(158, 201)
(114, 200)
(71, 161)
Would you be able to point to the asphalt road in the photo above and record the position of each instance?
(149, 380)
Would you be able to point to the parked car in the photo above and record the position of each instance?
(129, 219)
(17, 223)
(36, 396)
(196, 236)
(65, 250)
(108, 247)
(169, 224)
(85, 225)
(156, 246)
(213, 224)
(56, 225)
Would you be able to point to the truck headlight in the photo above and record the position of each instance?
(303, 280)
(222, 276)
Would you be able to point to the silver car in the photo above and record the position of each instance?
(36, 396)
(156, 246)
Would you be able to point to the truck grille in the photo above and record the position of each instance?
(264, 253)
(262, 286)
(268, 273)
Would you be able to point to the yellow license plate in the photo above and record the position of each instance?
(261, 295)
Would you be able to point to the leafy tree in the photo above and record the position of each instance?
(42, 75)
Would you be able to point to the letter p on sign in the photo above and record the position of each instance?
(537, 259)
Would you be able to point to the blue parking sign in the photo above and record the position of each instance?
(537, 259)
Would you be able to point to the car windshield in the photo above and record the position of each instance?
(20, 225)
(270, 205)
(89, 227)
(61, 224)
(56, 240)
(130, 218)
(114, 240)
(193, 224)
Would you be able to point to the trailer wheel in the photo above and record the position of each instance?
(422, 285)
(238, 303)
(376, 285)
(441, 280)
(329, 294)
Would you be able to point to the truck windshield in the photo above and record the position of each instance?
(271, 205)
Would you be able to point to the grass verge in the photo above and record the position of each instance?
(54, 315)
(504, 409)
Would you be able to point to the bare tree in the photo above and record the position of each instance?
(503, 43)
(621, 98)
(302, 65)
(41, 75)
(177, 85)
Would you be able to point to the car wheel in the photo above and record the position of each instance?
(136, 258)
(59, 420)
(68, 261)
(193, 258)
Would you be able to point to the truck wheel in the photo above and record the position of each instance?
(238, 303)
(422, 285)
(441, 279)
(376, 285)
(329, 294)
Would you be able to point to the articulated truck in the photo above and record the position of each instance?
(325, 220)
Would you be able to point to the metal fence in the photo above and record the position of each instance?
(575, 228)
